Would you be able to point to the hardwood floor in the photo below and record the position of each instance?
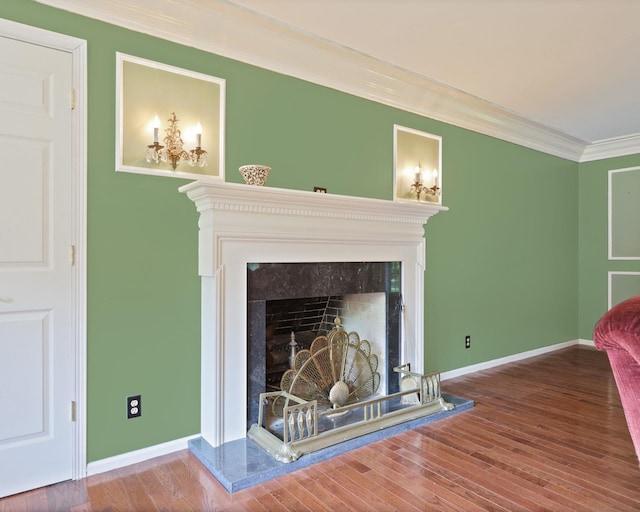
(547, 433)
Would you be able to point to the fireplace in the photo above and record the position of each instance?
(243, 226)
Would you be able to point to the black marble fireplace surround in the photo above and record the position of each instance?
(278, 292)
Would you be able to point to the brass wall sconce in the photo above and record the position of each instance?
(418, 187)
(172, 150)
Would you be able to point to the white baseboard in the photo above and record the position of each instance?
(458, 372)
(126, 459)
(588, 343)
(134, 457)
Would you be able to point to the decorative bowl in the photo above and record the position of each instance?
(255, 174)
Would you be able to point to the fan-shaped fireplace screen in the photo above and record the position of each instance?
(313, 382)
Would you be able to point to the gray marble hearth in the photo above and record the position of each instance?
(241, 464)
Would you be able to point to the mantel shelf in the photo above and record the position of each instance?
(209, 195)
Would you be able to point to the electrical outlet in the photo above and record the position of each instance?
(134, 406)
(467, 342)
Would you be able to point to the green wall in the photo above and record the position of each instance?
(502, 263)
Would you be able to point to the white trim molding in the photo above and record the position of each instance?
(224, 28)
(611, 300)
(137, 456)
(466, 370)
(620, 146)
(586, 343)
(626, 213)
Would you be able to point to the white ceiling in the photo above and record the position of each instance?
(571, 65)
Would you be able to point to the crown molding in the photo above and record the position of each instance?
(232, 31)
(610, 148)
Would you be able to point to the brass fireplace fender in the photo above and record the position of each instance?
(420, 393)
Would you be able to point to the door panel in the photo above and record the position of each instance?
(23, 217)
(24, 346)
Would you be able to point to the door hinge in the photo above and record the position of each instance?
(73, 410)
(73, 99)
(73, 255)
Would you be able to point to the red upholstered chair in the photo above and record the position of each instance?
(618, 333)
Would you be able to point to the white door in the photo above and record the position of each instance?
(36, 272)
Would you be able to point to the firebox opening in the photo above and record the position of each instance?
(304, 299)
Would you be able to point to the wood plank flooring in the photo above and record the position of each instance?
(547, 433)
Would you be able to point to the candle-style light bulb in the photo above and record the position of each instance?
(198, 135)
(418, 177)
(156, 127)
(435, 177)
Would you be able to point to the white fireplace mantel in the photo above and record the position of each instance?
(241, 224)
